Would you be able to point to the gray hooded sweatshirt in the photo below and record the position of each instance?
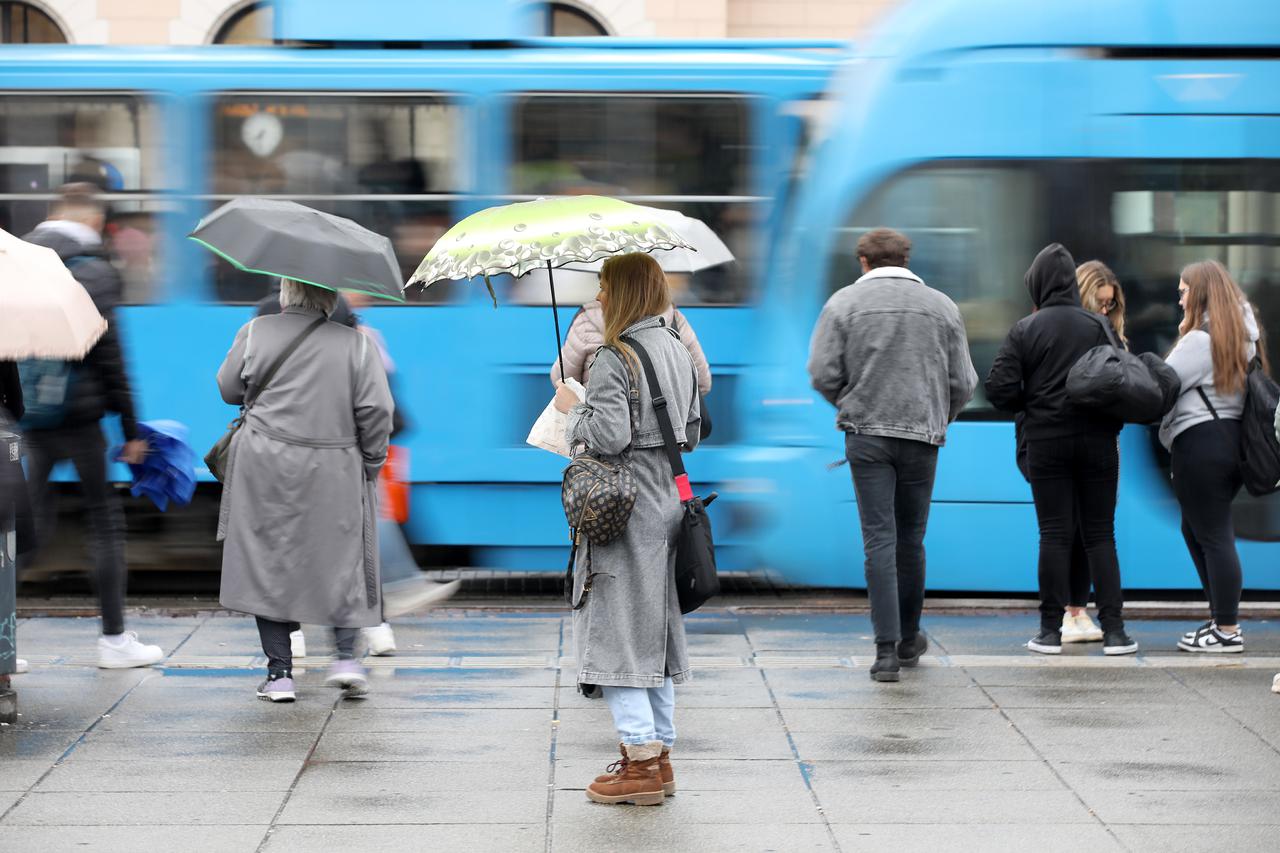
(891, 355)
(1192, 358)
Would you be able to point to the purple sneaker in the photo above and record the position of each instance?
(277, 690)
(348, 676)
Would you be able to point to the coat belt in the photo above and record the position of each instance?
(300, 441)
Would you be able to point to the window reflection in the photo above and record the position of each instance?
(387, 162)
(110, 141)
(691, 154)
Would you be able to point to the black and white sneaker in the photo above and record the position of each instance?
(1118, 643)
(1046, 643)
(1191, 635)
(1213, 641)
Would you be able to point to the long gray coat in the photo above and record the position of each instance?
(630, 632)
(298, 516)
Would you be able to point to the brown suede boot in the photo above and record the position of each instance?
(665, 770)
(638, 780)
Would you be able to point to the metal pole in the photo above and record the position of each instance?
(555, 312)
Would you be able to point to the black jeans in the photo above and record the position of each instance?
(1073, 482)
(893, 481)
(1080, 579)
(1206, 478)
(86, 447)
(275, 644)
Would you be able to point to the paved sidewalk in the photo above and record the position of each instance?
(475, 740)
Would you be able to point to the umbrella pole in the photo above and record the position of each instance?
(555, 312)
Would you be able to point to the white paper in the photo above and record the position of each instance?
(548, 429)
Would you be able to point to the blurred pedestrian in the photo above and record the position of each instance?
(404, 589)
(628, 631)
(1217, 339)
(70, 429)
(1072, 453)
(891, 354)
(298, 505)
(586, 336)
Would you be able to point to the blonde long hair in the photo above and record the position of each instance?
(634, 287)
(1215, 299)
(1092, 275)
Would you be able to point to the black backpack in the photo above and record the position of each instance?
(1259, 447)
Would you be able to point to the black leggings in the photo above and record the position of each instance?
(275, 643)
(1206, 479)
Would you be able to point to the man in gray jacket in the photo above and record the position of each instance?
(891, 355)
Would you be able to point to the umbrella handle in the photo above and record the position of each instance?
(555, 313)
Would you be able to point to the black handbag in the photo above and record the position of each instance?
(695, 572)
(219, 456)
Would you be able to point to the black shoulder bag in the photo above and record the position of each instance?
(220, 454)
(695, 572)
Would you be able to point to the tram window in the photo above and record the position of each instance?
(977, 226)
(388, 162)
(690, 153)
(110, 141)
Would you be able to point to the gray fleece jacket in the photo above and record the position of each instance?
(1193, 360)
(891, 354)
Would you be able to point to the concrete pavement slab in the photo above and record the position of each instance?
(185, 808)
(161, 775)
(851, 778)
(1082, 700)
(16, 743)
(654, 834)
(19, 774)
(144, 746)
(246, 714)
(957, 838)
(1205, 771)
(113, 839)
(465, 723)
(1257, 808)
(903, 743)
(956, 807)
(397, 804)
(743, 807)
(809, 632)
(701, 733)
(453, 837)
(371, 777)
(433, 746)
(1126, 733)
(390, 693)
(1212, 837)
(1042, 672)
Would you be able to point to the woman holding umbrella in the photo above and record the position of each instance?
(629, 635)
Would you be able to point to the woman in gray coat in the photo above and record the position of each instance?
(629, 634)
(298, 516)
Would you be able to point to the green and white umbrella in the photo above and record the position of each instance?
(544, 234)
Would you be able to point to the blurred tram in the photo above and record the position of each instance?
(407, 142)
(1144, 134)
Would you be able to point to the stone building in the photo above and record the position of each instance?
(188, 22)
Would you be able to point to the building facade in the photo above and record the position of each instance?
(190, 22)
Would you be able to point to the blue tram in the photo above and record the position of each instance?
(1144, 134)
(408, 142)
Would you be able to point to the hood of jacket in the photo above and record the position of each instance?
(66, 242)
(1051, 278)
(593, 313)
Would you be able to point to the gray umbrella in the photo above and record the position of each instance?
(291, 240)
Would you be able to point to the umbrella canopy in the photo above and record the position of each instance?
(168, 471)
(705, 248)
(551, 232)
(44, 311)
(291, 240)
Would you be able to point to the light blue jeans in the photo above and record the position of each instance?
(643, 714)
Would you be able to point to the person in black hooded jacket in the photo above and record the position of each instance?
(1072, 454)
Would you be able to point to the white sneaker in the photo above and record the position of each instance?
(418, 596)
(297, 644)
(124, 652)
(1089, 631)
(21, 667)
(1275, 683)
(1071, 630)
(380, 640)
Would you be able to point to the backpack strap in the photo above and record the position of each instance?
(1205, 397)
(664, 422)
(256, 391)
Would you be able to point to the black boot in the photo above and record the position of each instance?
(910, 650)
(886, 666)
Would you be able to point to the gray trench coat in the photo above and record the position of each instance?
(630, 632)
(298, 516)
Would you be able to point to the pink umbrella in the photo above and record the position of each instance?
(44, 311)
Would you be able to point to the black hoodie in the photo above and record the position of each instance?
(1030, 371)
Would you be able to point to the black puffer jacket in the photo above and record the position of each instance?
(101, 385)
(1030, 371)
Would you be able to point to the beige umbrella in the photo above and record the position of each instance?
(44, 311)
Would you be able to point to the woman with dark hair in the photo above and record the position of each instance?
(1217, 339)
(628, 631)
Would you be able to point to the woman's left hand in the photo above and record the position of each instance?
(565, 398)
